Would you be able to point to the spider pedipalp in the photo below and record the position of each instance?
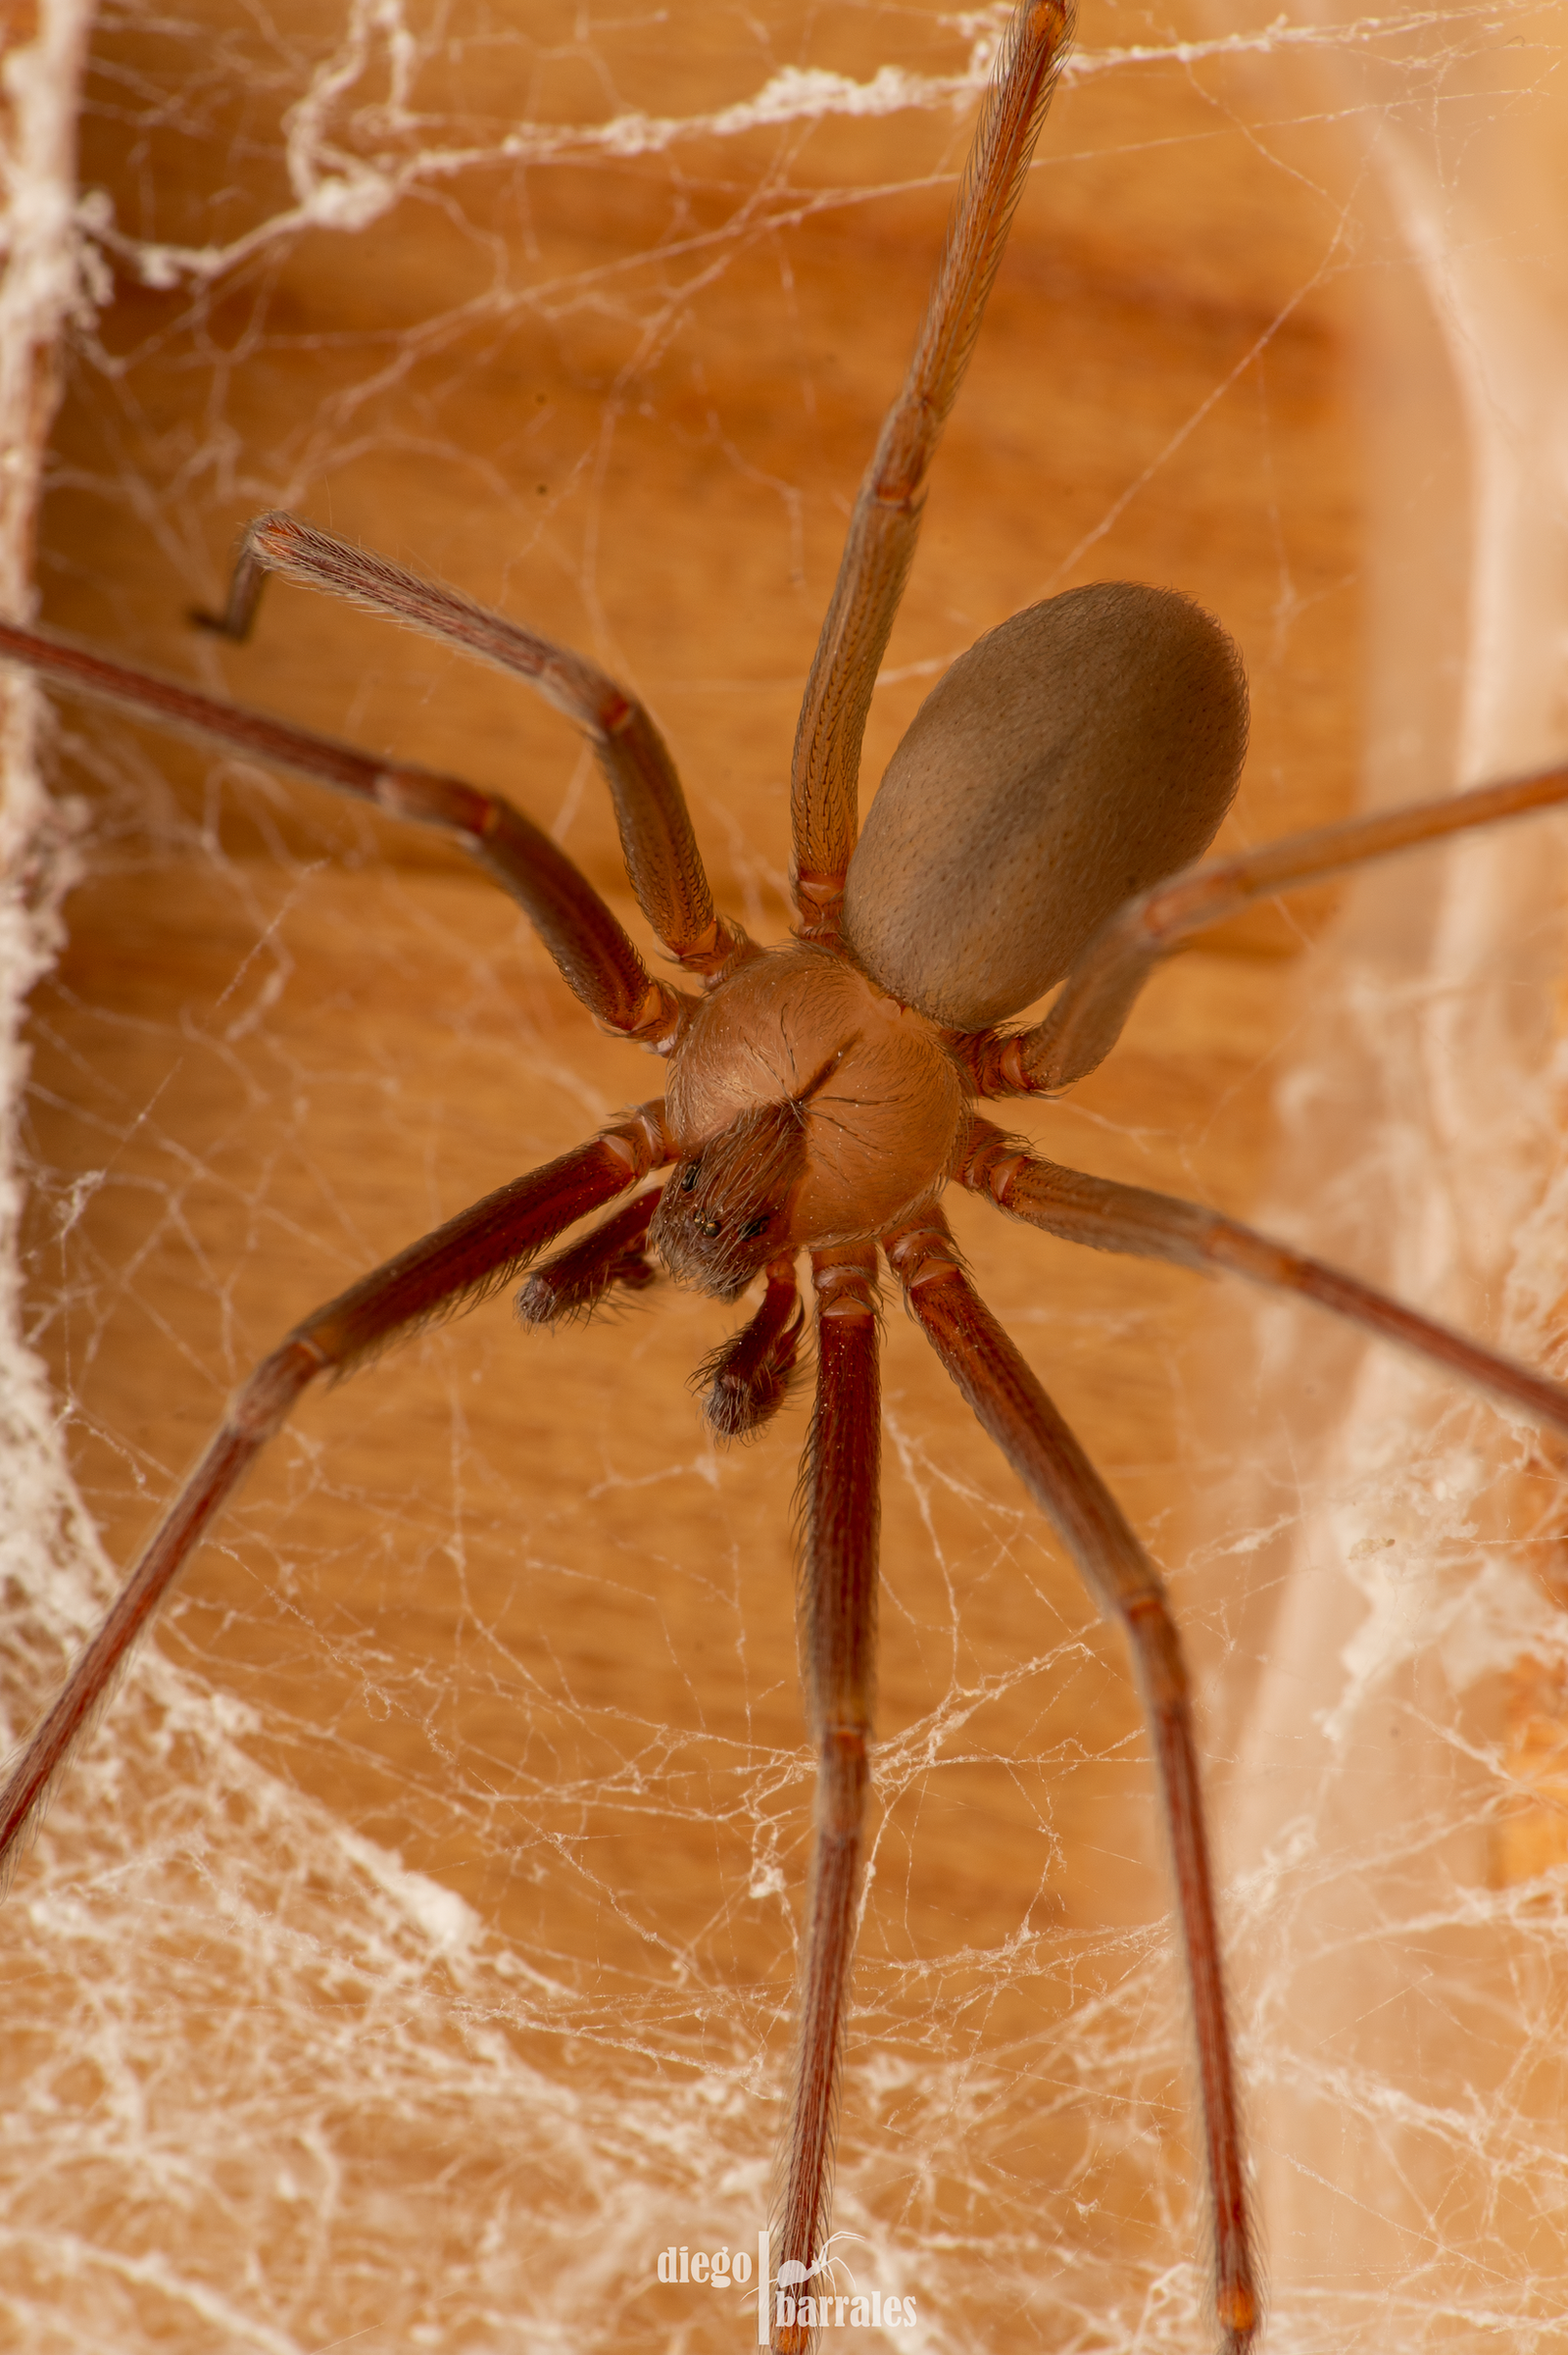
(743, 1383)
(570, 1285)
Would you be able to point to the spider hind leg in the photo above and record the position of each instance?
(1010, 1403)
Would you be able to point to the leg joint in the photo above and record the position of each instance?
(263, 1400)
(642, 1142)
(923, 1252)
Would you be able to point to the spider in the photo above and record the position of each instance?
(1035, 828)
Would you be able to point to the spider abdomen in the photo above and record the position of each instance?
(807, 1106)
(1077, 754)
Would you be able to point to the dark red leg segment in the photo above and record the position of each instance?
(885, 526)
(1014, 1409)
(838, 1658)
(1109, 1217)
(657, 840)
(592, 949)
(1086, 1020)
(460, 1264)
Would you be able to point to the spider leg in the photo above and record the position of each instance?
(657, 841)
(1012, 1407)
(595, 953)
(1110, 1217)
(1087, 1018)
(573, 1281)
(886, 521)
(454, 1267)
(838, 1658)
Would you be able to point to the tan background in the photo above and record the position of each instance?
(411, 1961)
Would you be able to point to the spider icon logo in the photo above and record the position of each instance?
(855, 2310)
(793, 2271)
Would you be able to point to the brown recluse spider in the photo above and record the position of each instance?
(1037, 826)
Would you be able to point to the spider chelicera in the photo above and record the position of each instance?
(1035, 827)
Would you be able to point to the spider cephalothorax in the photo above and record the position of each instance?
(1031, 829)
(806, 1106)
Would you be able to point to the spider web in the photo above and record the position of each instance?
(409, 1960)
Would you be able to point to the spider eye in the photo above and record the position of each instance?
(754, 1226)
(688, 1177)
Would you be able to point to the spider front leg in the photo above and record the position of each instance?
(879, 547)
(838, 1663)
(454, 1267)
(657, 841)
(1013, 1408)
(595, 953)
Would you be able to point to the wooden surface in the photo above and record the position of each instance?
(496, 1615)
